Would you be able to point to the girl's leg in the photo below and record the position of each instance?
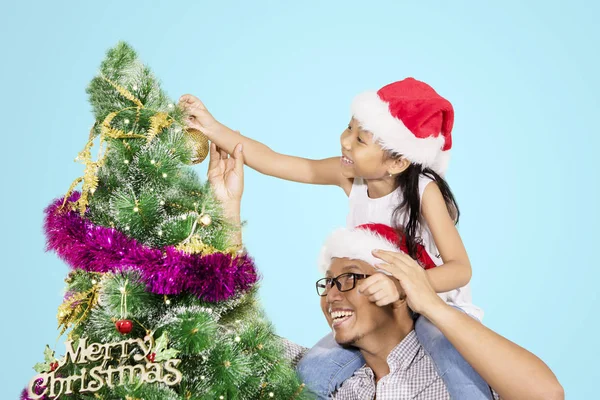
(327, 365)
(461, 380)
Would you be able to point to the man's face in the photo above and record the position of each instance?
(350, 314)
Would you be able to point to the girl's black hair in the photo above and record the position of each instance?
(408, 181)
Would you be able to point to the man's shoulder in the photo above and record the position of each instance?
(412, 378)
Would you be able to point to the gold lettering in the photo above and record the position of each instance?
(153, 373)
(83, 375)
(53, 381)
(109, 373)
(124, 349)
(76, 357)
(92, 380)
(94, 352)
(97, 383)
(175, 375)
(71, 380)
(107, 348)
(146, 349)
(130, 370)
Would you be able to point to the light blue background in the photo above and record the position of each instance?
(524, 82)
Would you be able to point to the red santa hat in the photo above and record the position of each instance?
(358, 243)
(408, 117)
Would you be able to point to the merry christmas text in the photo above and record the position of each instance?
(104, 364)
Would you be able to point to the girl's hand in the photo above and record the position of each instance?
(198, 116)
(420, 296)
(381, 289)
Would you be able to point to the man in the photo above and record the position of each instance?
(396, 365)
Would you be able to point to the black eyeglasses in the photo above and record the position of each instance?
(343, 282)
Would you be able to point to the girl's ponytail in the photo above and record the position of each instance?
(408, 181)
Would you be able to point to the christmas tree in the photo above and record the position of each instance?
(159, 303)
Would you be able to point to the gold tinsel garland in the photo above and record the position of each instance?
(158, 122)
(124, 92)
(77, 307)
(194, 245)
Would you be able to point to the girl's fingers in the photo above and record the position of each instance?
(381, 290)
(408, 261)
(385, 301)
(192, 122)
(401, 260)
(188, 99)
(371, 290)
(385, 268)
(388, 256)
(406, 258)
(370, 281)
(374, 298)
(397, 269)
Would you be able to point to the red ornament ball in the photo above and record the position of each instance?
(124, 326)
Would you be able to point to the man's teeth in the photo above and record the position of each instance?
(347, 160)
(341, 314)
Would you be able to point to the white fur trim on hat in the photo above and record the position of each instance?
(356, 244)
(374, 115)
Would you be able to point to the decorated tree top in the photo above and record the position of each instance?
(141, 182)
(141, 205)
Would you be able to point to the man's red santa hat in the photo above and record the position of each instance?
(358, 243)
(409, 118)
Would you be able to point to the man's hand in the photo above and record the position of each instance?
(198, 116)
(226, 176)
(420, 296)
(381, 289)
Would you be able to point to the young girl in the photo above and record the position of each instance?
(394, 153)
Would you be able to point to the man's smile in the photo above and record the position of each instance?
(339, 316)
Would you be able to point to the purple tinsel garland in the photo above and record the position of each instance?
(83, 245)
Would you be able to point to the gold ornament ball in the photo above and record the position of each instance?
(205, 219)
(198, 142)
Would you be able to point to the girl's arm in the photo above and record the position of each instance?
(260, 157)
(263, 159)
(513, 372)
(456, 270)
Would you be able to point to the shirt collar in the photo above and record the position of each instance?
(401, 356)
(404, 353)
